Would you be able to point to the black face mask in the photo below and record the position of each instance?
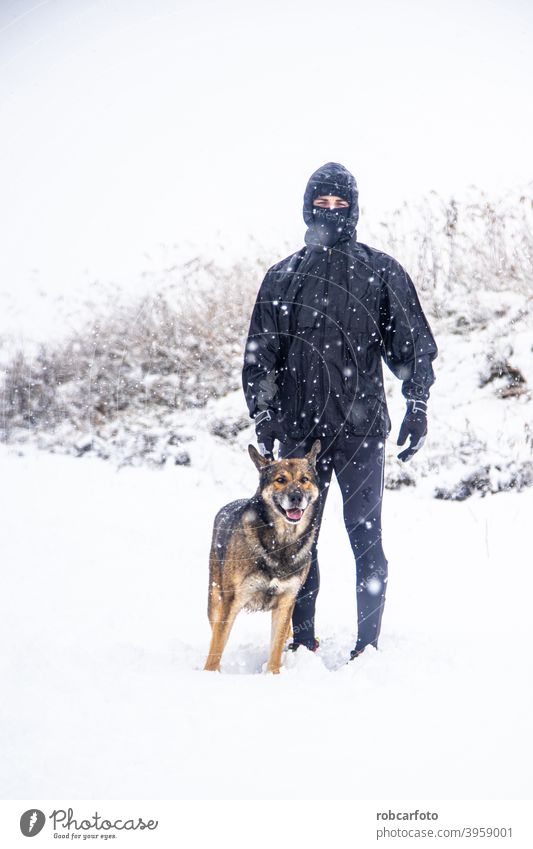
(328, 225)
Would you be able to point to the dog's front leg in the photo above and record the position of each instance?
(281, 619)
(221, 627)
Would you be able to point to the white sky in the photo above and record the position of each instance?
(128, 126)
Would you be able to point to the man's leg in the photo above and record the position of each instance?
(303, 617)
(359, 466)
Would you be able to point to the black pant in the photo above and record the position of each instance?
(359, 464)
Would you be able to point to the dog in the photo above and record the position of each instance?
(261, 551)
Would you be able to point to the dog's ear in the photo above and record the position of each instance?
(259, 461)
(315, 450)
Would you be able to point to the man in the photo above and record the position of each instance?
(323, 320)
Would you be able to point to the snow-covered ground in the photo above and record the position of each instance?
(104, 633)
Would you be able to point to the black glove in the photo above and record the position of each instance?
(267, 429)
(414, 425)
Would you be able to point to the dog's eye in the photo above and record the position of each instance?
(280, 480)
(304, 479)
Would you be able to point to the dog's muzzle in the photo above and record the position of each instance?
(293, 505)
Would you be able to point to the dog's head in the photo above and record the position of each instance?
(288, 486)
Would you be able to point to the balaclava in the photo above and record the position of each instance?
(327, 227)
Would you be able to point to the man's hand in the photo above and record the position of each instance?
(415, 426)
(267, 429)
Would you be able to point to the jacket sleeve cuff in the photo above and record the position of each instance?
(417, 386)
(415, 391)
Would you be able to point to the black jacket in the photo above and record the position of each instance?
(323, 320)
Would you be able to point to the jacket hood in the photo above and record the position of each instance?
(332, 179)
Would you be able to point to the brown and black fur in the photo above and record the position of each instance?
(259, 558)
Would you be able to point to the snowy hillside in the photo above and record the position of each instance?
(104, 613)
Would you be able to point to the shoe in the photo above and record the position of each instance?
(356, 652)
(359, 650)
(296, 646)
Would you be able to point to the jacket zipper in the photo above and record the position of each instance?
(326, 293)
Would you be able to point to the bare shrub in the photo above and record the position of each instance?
(175, 348)
(455, 250)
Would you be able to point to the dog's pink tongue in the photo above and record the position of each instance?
(294, 514)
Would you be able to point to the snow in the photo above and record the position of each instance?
(104, 627)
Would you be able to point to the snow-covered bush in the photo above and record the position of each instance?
(171, 349)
